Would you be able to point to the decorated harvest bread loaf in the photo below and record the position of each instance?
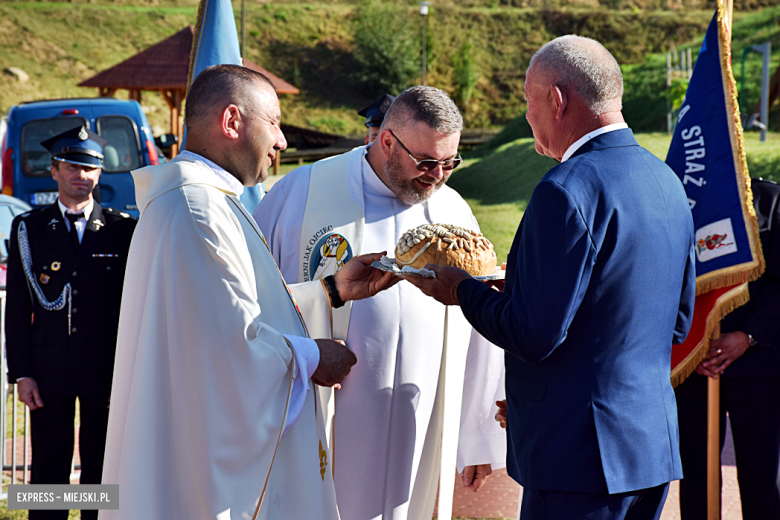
(442, 244)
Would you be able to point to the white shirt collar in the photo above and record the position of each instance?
(87, 209)
(587, 137)
(371, 178)
(233, 183)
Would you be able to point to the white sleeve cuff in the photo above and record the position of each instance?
(307, 358)
(487, 448)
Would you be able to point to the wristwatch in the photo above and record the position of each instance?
(330, 287)
(752, 340)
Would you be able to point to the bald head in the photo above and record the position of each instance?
(233, 119)
(581, 66)
(219, 86)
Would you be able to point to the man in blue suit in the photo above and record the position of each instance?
(600, 282)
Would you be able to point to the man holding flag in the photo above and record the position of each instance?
(747, 360)
(707, 154)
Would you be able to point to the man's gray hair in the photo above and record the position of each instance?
(428, 105)
(582, 65)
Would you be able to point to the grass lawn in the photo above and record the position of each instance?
(21, 514)
(499, 184)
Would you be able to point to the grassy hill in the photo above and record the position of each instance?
(645, 99)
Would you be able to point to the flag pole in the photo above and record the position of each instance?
(713, 395)
(713, 443)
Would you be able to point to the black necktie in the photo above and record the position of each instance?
(74, 233)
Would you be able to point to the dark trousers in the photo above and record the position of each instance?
(753, 405)
(52, 444)
(643, 504)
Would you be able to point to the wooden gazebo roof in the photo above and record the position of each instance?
(165, 66)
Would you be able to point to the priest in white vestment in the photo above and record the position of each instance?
(212, 407)
(387, 434)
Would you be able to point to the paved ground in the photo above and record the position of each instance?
(499, 497)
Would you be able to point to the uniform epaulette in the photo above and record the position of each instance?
(115, 212)
(33, 212)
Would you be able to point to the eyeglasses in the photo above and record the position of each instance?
(426, 165)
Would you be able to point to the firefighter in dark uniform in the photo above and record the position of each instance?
(375, 114)
(746, 358)
(66, 269)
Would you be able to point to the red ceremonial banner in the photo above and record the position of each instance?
(707, 311)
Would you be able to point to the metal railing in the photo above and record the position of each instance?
(18, 466)
(7, 389)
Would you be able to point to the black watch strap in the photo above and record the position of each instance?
(333, 293)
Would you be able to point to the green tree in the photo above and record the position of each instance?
(387, 48)
(677, 93)
(465, 72)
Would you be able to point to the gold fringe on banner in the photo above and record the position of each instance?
(729, 301)
(753, 270)
(728, 276)
(202, 8)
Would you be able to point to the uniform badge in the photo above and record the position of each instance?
(83, 135)
(328, 256)
(96, 223)
(52, 224)
(55, 266)
(44, 278)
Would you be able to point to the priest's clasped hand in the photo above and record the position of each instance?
(474, 477)
(358, 280)
(336, 360)
(443, 288)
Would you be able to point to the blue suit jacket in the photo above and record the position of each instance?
(600, 282)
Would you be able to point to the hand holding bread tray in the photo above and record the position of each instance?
(443, 245)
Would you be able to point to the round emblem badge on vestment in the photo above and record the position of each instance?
(44, 278)
(329, 255)
(55, 266)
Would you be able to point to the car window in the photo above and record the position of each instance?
(36, 159)
(6, 217)
(121, 154)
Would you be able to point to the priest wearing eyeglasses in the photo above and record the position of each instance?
(388, 424)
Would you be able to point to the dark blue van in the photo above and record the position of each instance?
(25, 163)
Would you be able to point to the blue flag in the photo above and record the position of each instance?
(707, 154)
(216, 43)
